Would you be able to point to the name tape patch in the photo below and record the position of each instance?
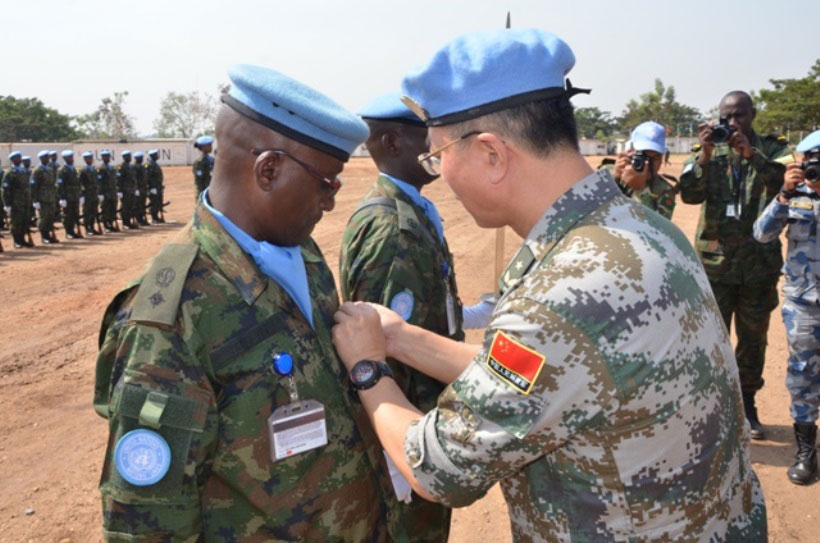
(514, 363)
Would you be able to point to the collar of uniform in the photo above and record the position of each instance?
(235, 263)
(392, 190)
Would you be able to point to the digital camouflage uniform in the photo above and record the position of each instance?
(390, 249)
(107, 185)
(605, 398)
(142, 187)
(70, 190)
(154, 180)
(88, 182)
(801, 298)
(44, 191)
(196, 333)
(127, 185)
(658, 195)
(202, 173)
(743, 273)
(17, 196)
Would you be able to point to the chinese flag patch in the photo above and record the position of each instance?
(514, 363)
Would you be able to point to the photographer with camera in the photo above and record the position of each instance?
(735, 174)
(797, 208)
(636, 171)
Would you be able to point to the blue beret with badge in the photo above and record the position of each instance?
(649, 136)
(294, 110)
(88, 154)
(204, 140)
(67, 153)
(485, 72)
(389, 107)
(15, 154)
(809, 143)
(42, 154)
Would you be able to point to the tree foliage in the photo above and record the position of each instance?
(186, 115)
(793, 105)
(660, 105)
(109, 121)
(28, 119)
(594, 123)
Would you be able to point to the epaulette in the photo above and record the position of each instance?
(407, 218)
(695, 148)
(607, 161)
(157, 298)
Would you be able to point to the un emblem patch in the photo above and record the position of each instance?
(142, 457)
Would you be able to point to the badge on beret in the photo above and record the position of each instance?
(142, 457)
(402, 303)
(515, 363)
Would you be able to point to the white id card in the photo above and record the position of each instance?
(730, 210)
(296, 428)
(451, 311)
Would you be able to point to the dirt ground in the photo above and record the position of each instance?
(51, 302)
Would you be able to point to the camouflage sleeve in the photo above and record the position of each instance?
(155, 382)
(61, 184)
(538, 380)
(769, 170)
(666, 203)
(771, 222)
(369, 249)
(693, 181)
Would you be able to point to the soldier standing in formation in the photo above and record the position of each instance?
(31, 218)
(44, 197)
(4, 214)
(127, 191)
(141, 194)
(797, 208)
(735, 178)
(70, 194)
(16, 198)
(107, 186)
(90, 194)
(204, 165)
(154, 181)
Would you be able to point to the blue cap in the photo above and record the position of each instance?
(26, 157)
(484, 72)
(126, 153)
(138, 154)
(152, 152)
(294, 110)
(67, 153)
(809, 142)
(53, 153)
(42, 153)
(88, 154)
(105, 152)
(649, 136)
(15, 154)
(204, 140)
(389, 107)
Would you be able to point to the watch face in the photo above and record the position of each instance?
(363, 372)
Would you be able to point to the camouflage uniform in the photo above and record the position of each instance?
(70, 190)
(154, 181)
(602, 397)
(801, 293)
(17, 196)
(658, 195)
(30, 217)
(88, 182)
(106, 180)
(2, 201)
(743, 273)
(127, 185)
(142, 186)
(196, 334)
(202, 173)
(44, 191)
(390, 247)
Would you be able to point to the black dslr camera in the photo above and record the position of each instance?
(638, 161)
(721, 132)
(811, 168)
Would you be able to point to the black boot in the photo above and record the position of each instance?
(751, 415)
(45, 238)
(805, 461)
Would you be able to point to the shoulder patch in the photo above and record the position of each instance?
(514, 363)
(157, 299)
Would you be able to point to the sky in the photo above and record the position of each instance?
(76, 52)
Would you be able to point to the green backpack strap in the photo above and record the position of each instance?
(157, 299)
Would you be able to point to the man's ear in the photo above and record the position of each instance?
(267, 170)
(390, 144)
(494, 156)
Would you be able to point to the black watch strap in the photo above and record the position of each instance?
(382, 370)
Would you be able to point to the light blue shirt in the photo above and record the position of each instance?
(284, 265)
(426, 205)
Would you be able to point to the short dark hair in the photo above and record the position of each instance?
(541, 126)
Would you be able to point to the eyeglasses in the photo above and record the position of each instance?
(333, 184)
(432, 163)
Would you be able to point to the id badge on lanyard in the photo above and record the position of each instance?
(735, 208)
(449, 301)
(299, 426)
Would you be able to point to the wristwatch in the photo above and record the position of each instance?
(366, 373)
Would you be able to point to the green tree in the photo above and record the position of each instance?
(594, 123)
(186, 115)
(28, 119)
(109, 120)
(661, 105)
(793, 105)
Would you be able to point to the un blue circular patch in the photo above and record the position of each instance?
(402, 303)
(142, 457)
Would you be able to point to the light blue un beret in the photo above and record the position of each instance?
(88, 154)
(105, 152)
(42, 153)
(26, 157)
(138, 154)
(389, 107)
(809, 142)
(15, 154)
(294, 110)
(204, 140)
(484, 72)
(152, 152)
(649, 136)
(53, 153)
(126, 153)
(67, 153)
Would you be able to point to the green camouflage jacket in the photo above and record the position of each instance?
(606, 397)
(724, 236)
(44, 189)
(106, 180)
(186, 350)
(387, 251)
(139, 178)
(153, 175)
(16, 191)
(202, 173)
(126, 183)
(88, 182)
(68, 183)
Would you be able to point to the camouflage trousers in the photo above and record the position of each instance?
(802, 322)
(90, 211)
(19, 222)
(71, 216)
(751, 306)
(156, 204)
(109, 209)
(48, 213)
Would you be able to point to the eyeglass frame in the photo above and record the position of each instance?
(426, 159)
(333, 184)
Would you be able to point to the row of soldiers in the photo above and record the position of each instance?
(91, 195)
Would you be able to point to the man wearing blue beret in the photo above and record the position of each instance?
(229, 414)
(127, 191)
(16, 198)
(70, 194)
(204, 165)
(44, 197)
(605, 397)
(141, 193)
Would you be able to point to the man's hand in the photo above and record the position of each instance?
(391, 325)
(620, 165)
(740, 143)
(706, 143)
(632, 178)
(358, 334)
